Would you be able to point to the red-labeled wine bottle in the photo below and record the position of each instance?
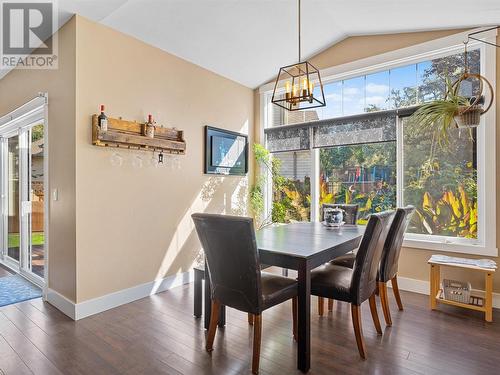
(102, 120)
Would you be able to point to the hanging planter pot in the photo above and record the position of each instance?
(469, 116)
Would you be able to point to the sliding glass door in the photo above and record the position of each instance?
(13, 222)
(36, 199)
(22, 174)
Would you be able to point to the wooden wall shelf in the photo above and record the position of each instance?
(129, 134)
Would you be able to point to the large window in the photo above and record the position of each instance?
(441, 182)
(367, 152)
(359, 174)
(292, 201)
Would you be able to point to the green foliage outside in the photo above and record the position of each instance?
(37, 133)
(37, 238)
(289, 202)
(375, 196)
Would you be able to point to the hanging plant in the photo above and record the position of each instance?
(469, 116)
(439, 115)
(455, 110)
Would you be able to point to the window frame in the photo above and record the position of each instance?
(485, 244)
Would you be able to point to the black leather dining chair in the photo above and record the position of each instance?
(350, 211)
(236, 279)
(351, 218)
(358, 284)
(388, 270)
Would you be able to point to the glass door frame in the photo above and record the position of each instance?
(22, 130)
(15, 264)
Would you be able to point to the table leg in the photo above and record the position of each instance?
(198, 292)
(488, 297)
(208, 304)
(304, 318)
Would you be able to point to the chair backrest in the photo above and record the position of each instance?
(393, 243)
(350, 211)
(366, 266)
(232, 259)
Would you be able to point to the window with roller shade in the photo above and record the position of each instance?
(357, 138)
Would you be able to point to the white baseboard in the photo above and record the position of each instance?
(96, 305)
(423, 287)
(66, 306)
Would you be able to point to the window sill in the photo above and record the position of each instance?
(463, 248)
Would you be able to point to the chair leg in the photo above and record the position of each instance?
(358, 331)
(330, 304)
(321, 305)
(395, 289)
(250, 319)
(384, 301)
(257, 334)
(214, 319)
(373, 310)
(294, 317)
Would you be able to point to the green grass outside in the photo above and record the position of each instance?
(37, 238)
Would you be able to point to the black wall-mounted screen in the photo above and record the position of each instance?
(226, 152)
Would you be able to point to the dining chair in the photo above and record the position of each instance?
(358, 284)
(350, 211)
(351, 218)
(236, 279)
(388, 270)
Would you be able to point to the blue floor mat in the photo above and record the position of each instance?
(15, 288)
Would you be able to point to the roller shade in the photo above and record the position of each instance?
(371, 127)
(362, 129)
(288, 138)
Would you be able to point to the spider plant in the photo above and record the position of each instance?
(438, 116)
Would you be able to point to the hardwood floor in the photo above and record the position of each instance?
(159, 335)
(4, 271)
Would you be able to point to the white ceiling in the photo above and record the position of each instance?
(248, 40)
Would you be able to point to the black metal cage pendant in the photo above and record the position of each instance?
(298, 86)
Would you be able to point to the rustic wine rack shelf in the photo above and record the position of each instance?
(129, 134)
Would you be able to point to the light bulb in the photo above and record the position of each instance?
(287, 87)
(304, 83)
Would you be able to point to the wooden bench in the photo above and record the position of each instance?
(436, 293)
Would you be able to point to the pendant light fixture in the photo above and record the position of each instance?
(298, 86)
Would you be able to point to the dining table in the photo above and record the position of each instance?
(302, 247)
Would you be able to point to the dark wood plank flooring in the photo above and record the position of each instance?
(4, 271)
(158, 335)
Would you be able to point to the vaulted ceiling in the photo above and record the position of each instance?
(248, 40)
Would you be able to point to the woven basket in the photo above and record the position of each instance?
(469, 117)
(458, 291)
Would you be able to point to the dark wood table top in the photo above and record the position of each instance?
(306, 240)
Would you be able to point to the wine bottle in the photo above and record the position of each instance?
(102, 120)
(150, 127)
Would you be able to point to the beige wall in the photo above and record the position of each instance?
(118, 227)
(134, 225)
(20, 86)
(413, 262)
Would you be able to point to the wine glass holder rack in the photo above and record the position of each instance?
(130, 135)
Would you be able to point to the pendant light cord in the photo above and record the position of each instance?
(298, 1)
